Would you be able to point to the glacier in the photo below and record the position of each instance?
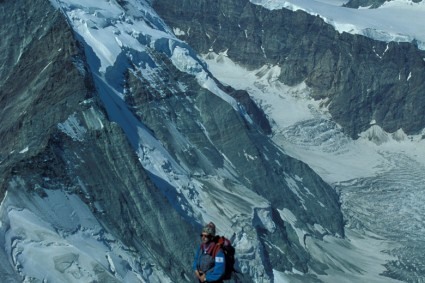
(304, 130)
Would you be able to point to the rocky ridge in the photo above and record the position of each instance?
(56, 136)
(359, 79)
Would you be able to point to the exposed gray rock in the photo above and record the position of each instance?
(38, 58)
(364, 79)
(365, 3)
(50, 85)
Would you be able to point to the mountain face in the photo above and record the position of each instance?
(47, 91)
(59, 135)
(118, 143)
(359, 79)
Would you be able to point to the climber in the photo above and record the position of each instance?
(209, 264)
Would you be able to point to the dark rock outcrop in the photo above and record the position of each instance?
(364, 3)
(38, 56)
(362, 79)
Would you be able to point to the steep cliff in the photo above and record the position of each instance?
(361, 79)
(205, 135)
(55, 136)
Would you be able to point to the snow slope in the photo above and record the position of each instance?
(109, 31)
(56, 238)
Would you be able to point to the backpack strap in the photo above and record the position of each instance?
(219, 243)
(217, 247)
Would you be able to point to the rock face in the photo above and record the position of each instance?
(360, 78)
(188, 116)
(56, 135)
(364, 3)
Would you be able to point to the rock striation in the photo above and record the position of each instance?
(55, 136)
(361, 79)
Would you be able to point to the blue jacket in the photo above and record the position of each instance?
(213, 267)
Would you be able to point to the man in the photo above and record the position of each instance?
(209, 264)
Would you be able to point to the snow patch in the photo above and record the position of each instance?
(93, 119)
(184, 62)
(73, 128)
(178, 32)
(375, 134)
(264, 219)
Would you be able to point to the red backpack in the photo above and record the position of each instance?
(229, 254)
